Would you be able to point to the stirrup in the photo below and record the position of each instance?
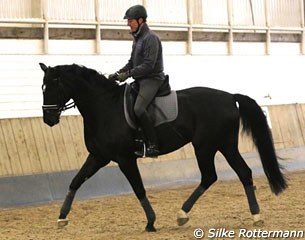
(140, 146)
(148, 151)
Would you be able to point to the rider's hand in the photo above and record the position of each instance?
(113, 76)
(123, 76)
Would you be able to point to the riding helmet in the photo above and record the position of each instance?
(136, 12)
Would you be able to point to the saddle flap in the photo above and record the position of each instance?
(162, 109)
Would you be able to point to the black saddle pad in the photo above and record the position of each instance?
(162, 109)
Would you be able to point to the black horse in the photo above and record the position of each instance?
(207, 118)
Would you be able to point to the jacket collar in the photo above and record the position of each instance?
(141, 31)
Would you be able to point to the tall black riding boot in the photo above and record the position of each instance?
(152, 149)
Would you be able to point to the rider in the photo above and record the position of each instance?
(146, 67)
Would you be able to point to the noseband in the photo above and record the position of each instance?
(58, 107)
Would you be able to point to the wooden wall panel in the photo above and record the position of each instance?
(245, 143)
(50, 145)
(5, 163)
(28, 146)
(76, 133)
(66, 132)
(178, 154)
(21, 147)
(63, 158)
(288, 125)
(31, 146)
(300, 108)
(11, 147)
(189, 151)
(42, 151)
(276, 128)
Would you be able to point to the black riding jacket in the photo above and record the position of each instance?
(146, 61)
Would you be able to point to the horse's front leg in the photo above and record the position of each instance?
(130, 169)
(90, 167)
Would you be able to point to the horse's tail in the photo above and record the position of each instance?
(255, 124)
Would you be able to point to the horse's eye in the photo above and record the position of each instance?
(43, 87)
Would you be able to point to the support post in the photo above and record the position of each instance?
(46, 26)
(268, 34)
(303, 27)
(189, 6)
(230, 23)
(144, 3)
(36, 9)
(98, 27)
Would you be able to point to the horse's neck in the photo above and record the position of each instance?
(97, 103)
(91, 92)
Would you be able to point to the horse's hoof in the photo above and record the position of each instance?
(258, 222)
(62, 223)
(150, 228)
(182, 218)
(182, 221)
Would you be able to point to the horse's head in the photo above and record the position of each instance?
(63, 82)
(54, 99)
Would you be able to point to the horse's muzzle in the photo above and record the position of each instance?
(51, 117)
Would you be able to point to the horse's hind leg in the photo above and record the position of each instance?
(244, 173)
(90, 167)
(205, 159)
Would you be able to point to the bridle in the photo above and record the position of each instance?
(57, 107)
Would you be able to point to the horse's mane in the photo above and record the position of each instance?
(91, 76)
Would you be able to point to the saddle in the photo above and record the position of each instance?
(164, 107)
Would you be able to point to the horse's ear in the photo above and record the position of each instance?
(43, 67)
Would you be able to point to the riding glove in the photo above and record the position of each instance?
(113, 76)
(123, 76)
